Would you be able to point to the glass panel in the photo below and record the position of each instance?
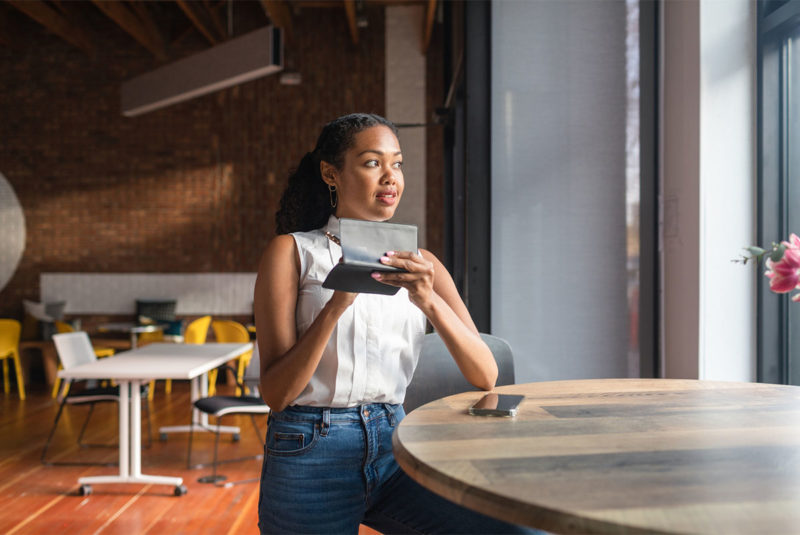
(632, 181)
(560, 193)
(792, 145)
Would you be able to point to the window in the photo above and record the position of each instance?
(778, 179)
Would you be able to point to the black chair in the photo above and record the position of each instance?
(75, 349)
(437, 374)
(219, 406)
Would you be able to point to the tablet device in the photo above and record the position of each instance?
(363, 244)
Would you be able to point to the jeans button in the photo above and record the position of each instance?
(366, 413)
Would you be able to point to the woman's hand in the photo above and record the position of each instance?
(418, 281)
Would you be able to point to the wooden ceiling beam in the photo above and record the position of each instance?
(53, 21)
(149, 23)
(215, 18)
(133, 26)
(427, 30)
(350, 10)
(279, 15)
(200, 18)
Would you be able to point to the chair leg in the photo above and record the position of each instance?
(65, 388)
(69, 463)
(20, 379)
(216, 455)
(151, 390)
(214, 477)
(52, 432)
(212, 382)
(6, 385)
(85, 423)
(239, 376)
(261, 436)
(189, 454)
(57, 382)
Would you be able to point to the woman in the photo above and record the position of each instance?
(335, 365)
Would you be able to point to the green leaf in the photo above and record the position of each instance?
(777, 253)
(756, 251)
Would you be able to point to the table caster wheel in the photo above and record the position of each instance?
(180, 490)
(235, 437)
(85, 490)
(162, 437)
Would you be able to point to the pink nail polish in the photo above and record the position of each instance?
(384, 259)
(375, 275)
(391, 253)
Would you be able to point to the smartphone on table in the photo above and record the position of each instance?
(496, 405)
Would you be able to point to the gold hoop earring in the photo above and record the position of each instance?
(331, 191)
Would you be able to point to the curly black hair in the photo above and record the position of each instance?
(305, 203)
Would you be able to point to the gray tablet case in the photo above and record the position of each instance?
(363, 244)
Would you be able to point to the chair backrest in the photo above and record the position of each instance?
(227, 331)
(437, 374)
(63, 327)
(150, 337)
(74, 349)
(9, 336)
(197, 331)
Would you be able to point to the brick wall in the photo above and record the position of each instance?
(189, 188)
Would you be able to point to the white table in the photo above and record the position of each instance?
(133, 368)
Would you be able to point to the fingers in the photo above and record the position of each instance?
(406, 260)
(417, 269)
(393, 279)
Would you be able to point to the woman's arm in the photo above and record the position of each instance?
(432, 289)
(287, 364)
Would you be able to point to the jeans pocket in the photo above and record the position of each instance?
(291, 438)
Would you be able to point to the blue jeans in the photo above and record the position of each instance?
(327, 470)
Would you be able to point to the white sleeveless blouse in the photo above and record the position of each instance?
(372, 353)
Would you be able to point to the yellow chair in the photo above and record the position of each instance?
(230, 332)
(150, 337)
(100, 352)
(195, 333)
(9, 348)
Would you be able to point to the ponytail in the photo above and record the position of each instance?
(304, 204)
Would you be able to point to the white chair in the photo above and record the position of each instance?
(75, 349)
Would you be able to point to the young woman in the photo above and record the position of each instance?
(335, 365)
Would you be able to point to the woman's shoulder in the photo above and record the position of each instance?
(281, 247)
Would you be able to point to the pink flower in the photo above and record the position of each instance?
(784, 275)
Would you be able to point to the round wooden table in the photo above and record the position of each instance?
(618, 455)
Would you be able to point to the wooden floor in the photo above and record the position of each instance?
(43, 499)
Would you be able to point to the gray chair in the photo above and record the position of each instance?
(219, 406)
(437, 374)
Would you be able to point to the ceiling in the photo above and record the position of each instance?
(160, 26)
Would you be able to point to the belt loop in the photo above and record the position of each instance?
(390, 412)
(326, 422)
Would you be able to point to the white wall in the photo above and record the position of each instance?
(708, 181)
(116, 293)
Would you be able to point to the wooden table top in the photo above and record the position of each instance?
(618, 455)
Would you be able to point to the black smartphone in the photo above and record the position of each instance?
(496, 405)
